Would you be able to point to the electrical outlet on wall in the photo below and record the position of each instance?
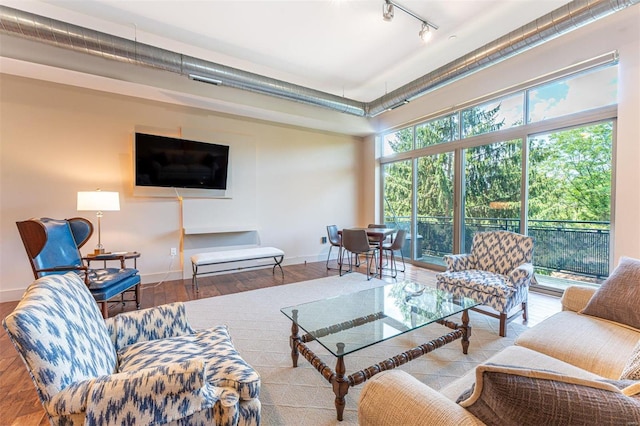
(324, 240)
(174, 251)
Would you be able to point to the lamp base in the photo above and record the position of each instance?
(98, 251)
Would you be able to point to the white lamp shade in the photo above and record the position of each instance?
(98, 201)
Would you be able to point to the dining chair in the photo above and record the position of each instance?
(355, 242)
(396, 245)
(375, 225)
(336, 241)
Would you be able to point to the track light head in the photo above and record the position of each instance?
(387, 14)
(425, 33)
(387, 11)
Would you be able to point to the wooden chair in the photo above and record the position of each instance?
(53, 247)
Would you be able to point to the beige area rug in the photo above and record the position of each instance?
(301, 396)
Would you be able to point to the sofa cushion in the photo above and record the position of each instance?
(618, 297)
(631, 370)
(521, 357)
(593, 344)
(394, 397)
(508, 395)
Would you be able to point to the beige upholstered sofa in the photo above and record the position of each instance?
(577, 356)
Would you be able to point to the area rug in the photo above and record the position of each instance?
(301, 396)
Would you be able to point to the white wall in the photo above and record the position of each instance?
(56, 140)
(620, 32)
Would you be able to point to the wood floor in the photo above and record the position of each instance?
(19, 404)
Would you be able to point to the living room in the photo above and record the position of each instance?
(66, 131)
(41, 178)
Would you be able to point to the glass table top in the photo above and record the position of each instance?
(373, 315)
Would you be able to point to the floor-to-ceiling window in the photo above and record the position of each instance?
(569, 205)
(398, 193)
(492, 189)
(434, 207)
(536, 161)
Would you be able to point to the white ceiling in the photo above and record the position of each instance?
(342, 47)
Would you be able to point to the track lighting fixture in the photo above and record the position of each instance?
(387, 11)
(387, 14)
(425, 33)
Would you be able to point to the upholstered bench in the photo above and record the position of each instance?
(231, 256)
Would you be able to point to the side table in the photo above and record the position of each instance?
(120, 255)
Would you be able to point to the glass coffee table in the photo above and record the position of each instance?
(347, 323)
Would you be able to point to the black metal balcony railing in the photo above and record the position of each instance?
(572, 247)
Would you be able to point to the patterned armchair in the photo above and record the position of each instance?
(497, 273)
(142, 367)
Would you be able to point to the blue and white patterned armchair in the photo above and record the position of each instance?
(142, 367)
(497, 273)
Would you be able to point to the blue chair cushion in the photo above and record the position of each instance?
(111, 289)
(101, 278)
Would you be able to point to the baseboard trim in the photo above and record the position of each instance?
(11, 295)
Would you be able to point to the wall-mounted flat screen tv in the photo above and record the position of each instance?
(179, 163)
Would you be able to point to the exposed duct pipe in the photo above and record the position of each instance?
(69, 36)
(558, 22)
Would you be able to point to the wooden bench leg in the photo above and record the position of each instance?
(138, 295)
(503, 325)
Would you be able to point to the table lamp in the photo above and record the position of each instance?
(98, 201)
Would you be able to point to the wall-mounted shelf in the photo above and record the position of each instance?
(218, 229)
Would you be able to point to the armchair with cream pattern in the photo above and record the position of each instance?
(142, 367)
(497, 273)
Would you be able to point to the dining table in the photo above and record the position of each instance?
(379, 235)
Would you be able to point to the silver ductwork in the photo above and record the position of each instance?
(61, 34)
(69, 36)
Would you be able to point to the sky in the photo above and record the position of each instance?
(581, 92)
(562, 97)
(574, 94)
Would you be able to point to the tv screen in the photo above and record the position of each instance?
(180, 163)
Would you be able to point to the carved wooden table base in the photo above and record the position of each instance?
(340, 381)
